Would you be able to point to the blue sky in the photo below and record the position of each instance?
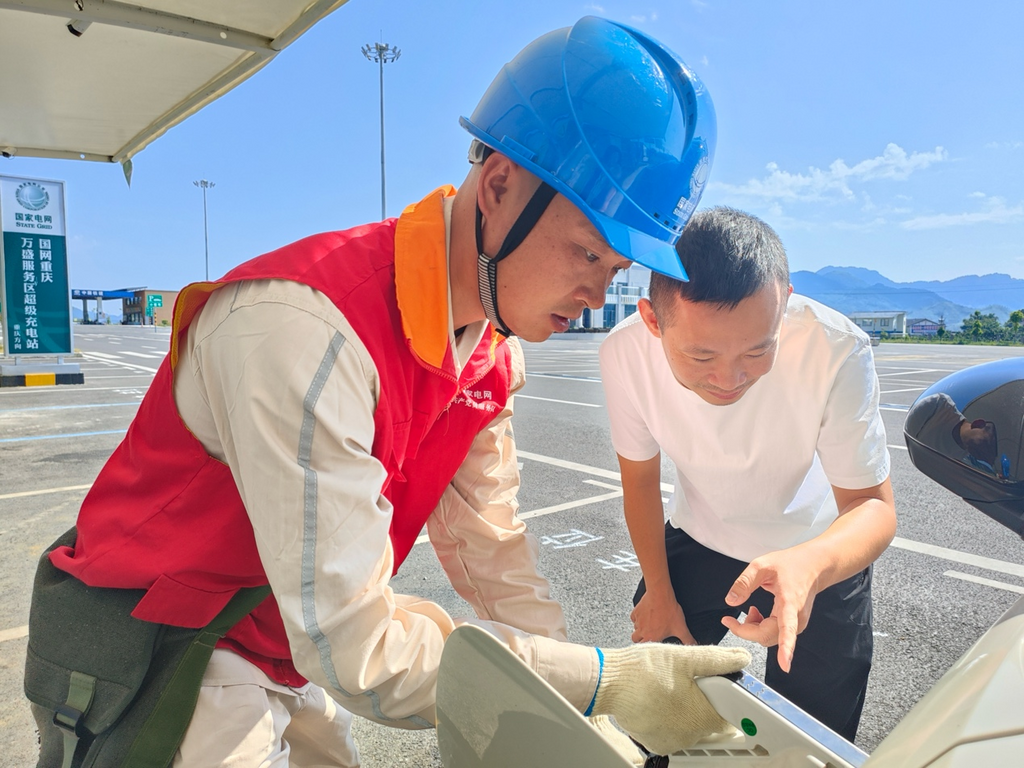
(886, 135)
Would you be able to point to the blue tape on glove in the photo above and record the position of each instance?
(600, 671)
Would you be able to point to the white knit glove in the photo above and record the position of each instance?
(649, 690)
(622, 744)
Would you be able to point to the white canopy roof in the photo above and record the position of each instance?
(101, 79)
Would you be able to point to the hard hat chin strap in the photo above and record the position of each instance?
(487, 266)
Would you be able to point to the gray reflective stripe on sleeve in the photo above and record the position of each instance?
(309, 533)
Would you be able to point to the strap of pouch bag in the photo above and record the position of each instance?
(69, 715)
(165, 728)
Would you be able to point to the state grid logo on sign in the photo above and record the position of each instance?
(32, 196)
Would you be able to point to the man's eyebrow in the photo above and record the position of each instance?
(769, 342)
(699, 351)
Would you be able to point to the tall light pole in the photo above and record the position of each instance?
(382, 54)
(205, 185)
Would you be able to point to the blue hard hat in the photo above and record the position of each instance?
(613, 120)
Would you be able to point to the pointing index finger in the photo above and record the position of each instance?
(788, 622)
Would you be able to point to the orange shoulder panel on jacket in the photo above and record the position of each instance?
(189, 302)
(421, 276)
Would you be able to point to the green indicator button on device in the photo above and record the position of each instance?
(748, 726)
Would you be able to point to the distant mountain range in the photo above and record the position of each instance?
(855, 289)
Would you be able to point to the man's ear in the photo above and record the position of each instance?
(646, 310)
(493, 183)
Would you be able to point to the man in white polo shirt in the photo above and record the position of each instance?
(767, 404)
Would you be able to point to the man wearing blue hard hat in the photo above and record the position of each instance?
(323, 402)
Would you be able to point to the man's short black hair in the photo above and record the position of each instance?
(985, 447)
(728, 256)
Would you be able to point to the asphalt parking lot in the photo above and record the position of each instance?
(949, 574)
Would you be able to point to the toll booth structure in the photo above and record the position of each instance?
(85, 294)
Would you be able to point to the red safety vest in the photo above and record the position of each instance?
(166, 517)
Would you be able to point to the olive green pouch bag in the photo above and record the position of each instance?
(119, 691)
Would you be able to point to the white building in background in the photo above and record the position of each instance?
(620, 302)
(877, 323)
(923, 326)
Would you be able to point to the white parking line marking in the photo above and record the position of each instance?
(911, 372)
(101, 355)
(62, 436)
(22, 494)
(552, 400)
(60, 388)
(563, 378)
(554, 508)
(66, 407)
(570, 505)
(143, 354)
(599, 484)
(130, 366)
(122, 376)
(991, 564)
(985, 582)
(596, 471)
(897, 447)
(14, 634)
(894, 391)
(609, 485)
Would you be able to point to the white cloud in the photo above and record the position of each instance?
(893, 163)
(995, 212)
(641, 19)
(704, 61)
(816, 184)
(977, 194)
(596, 8)
(1004, 145)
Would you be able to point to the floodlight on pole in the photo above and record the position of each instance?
(381, 54)
(205, 185)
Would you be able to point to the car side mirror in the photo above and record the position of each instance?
(966, 432)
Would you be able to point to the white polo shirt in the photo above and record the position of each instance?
(755, 476)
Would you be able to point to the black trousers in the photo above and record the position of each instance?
(829, 674)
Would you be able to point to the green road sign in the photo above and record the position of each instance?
(33, 253)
